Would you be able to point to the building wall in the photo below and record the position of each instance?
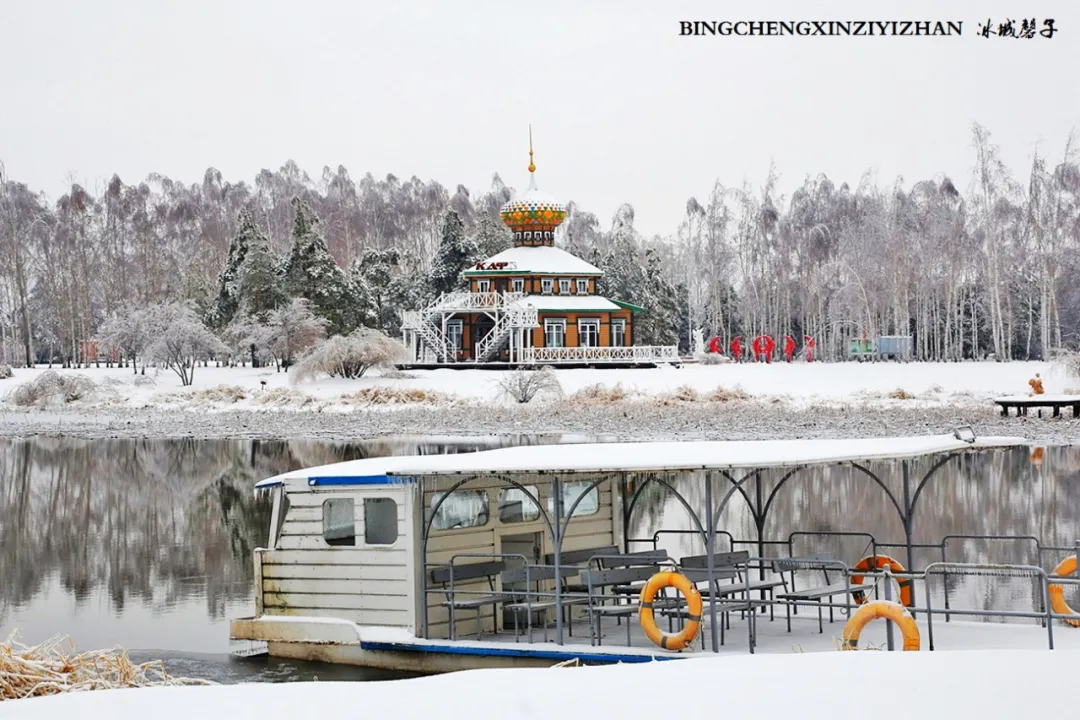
(605, 319)
(533, 283)
(370, 585)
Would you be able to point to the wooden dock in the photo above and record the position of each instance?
(1023, 403)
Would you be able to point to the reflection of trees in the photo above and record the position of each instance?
(155, 521)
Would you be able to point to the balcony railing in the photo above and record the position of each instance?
(638, 353)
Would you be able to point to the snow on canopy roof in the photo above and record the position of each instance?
(645, 457)
(542, 260)
(568, 302)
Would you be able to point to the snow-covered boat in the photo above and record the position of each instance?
(447, 562)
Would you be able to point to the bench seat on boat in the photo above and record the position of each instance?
(814, 594)
(448, 575)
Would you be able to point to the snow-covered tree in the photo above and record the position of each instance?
(180, 339)
(227, 301)
(292, 329)
(374, 276)
(310, 272)
(455, 254)
(259, 282)
(491, 236)
(129, 331)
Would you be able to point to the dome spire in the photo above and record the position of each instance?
(532, 166)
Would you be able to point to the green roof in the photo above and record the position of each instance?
(628, 306)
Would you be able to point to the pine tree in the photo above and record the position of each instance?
(374, 276)
(455, 254)
(491, 236)
(310, 272)
(227, 302)
(260, 287)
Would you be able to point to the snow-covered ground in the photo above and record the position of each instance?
(987, 684)
(717, 401)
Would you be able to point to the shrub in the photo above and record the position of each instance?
(349, 356)
(723, 394)
(52, 388)
(901, 394)
(395, 396)
(524, 385)
(6, 371)
(601, 394)
(681, 394)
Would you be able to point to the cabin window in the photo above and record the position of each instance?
(564, 286)
(582, 286)
(380, 521)
(454, 329)
(516, 506)
(555, 333)
(588, 333)
(339, 521)
(518, 284)
(618, 333)
(462, 509)
(546, 285)
(571, 491)
(483, 286)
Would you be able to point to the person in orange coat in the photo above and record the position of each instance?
(1036, 385)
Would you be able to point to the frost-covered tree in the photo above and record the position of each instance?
(374, 276)
(310, 272)
(455, 254)
(287, 331)
(180, 339)
(128, 330)
(227, 302)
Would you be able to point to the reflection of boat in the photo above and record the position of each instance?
(445, 553)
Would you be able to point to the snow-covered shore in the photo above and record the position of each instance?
(987, 684)
(717, 402)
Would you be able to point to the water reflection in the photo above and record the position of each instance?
(147, 543)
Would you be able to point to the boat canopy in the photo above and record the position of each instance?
(643, 457)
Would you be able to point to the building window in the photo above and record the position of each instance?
(483, 286)
(380, 521)
(518, 284)
(618, 333)
(588, 333)
(571, 491)
(516, 506)
(454, 331)
(545, 286)
(339, 521)
(464, 508)
(555, 333)
(582, 286)
(564, 286)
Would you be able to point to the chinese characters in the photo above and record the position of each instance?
(1026, 28)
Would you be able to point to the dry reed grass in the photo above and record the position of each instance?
(599, 393)
(56, 667)
(901, 394)
(396, 396)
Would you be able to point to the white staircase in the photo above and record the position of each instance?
(427, 324)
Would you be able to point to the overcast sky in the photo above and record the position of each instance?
(622, 108)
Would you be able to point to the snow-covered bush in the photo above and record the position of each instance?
(52, 388)
(723, 394)
(286, 332)
(707, 358)
(349, 356)
(600, 393)
(523, 385)
(6, 371)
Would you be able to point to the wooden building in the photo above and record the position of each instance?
(533, 304)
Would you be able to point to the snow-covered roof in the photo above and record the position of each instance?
(645, 457)
(571, 303)
(542, 260)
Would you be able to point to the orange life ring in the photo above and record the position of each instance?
(878, 562)
(1057, 592)
(693, 600)
(881, 609)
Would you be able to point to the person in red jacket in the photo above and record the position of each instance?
(809, 343)
(736, 349)
(789, 348)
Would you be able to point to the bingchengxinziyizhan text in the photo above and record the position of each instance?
(1025, 28)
